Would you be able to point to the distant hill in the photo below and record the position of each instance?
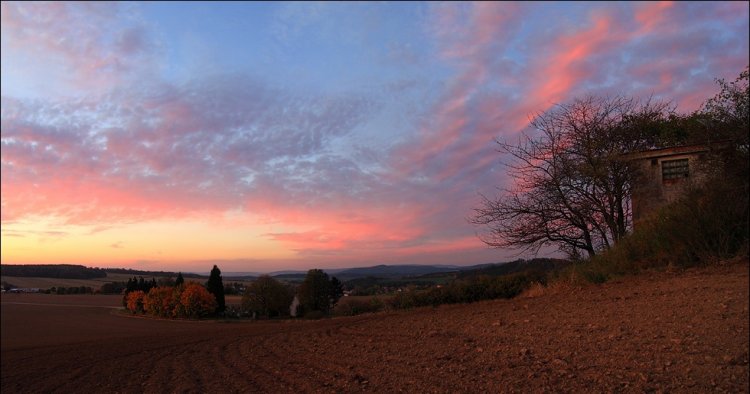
(539, 264)
(295, 272)
(291, 277)
(392, 271)
(239, 277)
(379, 273)
(380, 279)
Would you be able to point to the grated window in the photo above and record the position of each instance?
(674, 169)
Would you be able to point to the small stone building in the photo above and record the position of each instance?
(665, 175)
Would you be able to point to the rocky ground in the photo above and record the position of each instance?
(680, 332)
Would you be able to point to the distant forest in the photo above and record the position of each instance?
(129, 271)
(71, 271)
(63, 271)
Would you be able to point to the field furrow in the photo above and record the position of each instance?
(665, 332)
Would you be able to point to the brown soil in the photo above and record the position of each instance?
(685, 331)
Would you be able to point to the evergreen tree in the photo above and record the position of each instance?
(215, 286)
(180, 280)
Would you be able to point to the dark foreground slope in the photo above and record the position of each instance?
(683, 331)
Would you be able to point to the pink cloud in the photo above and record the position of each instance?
(468, 44)
(348, 227)
(651, 14)
(167, 156)
(84, 45)
(562, 70)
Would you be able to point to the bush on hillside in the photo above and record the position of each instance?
(707, 224)
(351, 306)
(471, 290)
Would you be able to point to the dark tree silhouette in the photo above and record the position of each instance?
(726, 116)
(730, 107)
(570, 187)
(180, 280)
(315, 292)
(267, 297)
(215, 286)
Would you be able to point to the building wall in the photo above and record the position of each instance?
(652, 191)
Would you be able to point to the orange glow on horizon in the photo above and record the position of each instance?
(41, 241)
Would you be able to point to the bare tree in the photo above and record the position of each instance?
(570, 189)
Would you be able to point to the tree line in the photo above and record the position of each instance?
(61, 271)
(176, 298)
(129, 271)
(266, 297)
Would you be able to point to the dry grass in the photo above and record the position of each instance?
(552, 288)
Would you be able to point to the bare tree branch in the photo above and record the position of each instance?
(569, 188)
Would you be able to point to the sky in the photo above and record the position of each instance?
(274, 136)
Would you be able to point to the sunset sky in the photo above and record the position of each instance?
(271, 136)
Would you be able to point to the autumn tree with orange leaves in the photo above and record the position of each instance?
(134, 301)
(196, 301)
(161, 301)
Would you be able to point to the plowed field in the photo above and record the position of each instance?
(685, 331)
